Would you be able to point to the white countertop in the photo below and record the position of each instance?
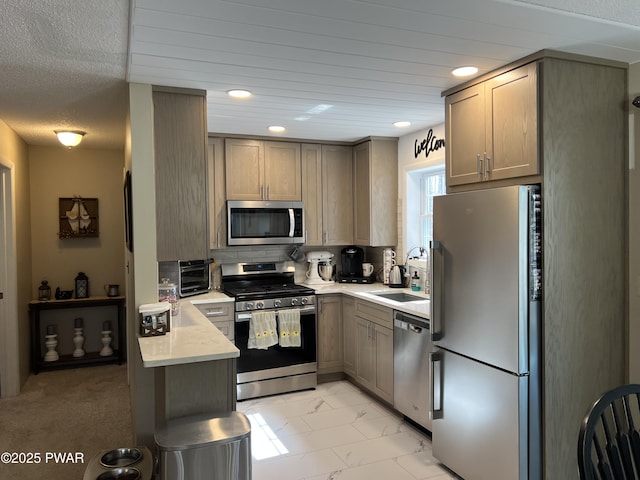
(192, 338)
(421, 308)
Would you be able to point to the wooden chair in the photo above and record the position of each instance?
(609, 440)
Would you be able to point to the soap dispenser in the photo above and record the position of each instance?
(415, 281)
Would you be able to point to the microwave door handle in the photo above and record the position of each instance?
(292, 222)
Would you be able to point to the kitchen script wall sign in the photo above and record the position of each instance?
(428, 145)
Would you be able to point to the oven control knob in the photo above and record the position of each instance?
(304, 300)
(259, 305)
(277, 302)
(248, 306)
(294, 301)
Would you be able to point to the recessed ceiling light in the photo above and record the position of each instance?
(401, 124)
(237, 93)
(464, 71)
(276, 129)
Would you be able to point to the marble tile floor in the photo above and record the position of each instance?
(336, 432)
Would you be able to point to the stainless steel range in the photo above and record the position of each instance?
(270, 287)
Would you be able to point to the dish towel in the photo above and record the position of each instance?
(289, 326)
(262, 330)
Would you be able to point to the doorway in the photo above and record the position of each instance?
(9, 360)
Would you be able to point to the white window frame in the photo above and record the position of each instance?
(426, 201)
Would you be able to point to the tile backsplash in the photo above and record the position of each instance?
(277, 253)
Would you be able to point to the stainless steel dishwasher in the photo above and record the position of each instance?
(411, 382)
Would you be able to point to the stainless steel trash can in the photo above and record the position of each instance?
(205, 447)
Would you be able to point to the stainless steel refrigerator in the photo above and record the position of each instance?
(485, 306)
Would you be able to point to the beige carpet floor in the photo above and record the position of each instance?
(72, 413)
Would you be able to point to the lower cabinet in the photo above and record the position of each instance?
(221, 315)
(368, 354)
(374, 358)
(330, 334)
(349, 329)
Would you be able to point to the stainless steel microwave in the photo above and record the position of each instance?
(264, 222)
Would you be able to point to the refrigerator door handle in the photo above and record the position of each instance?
(436, 387)
(437, 291)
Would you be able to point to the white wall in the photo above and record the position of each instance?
(634, 228)
(142, 277)
(416, 150)
(58, 172)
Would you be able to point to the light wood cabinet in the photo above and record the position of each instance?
(216, 182)
(327, 194)
(257, 170)
(282, 171)
(491, 128)
(244, 169)
(375, 192)
(221, 314)
(374, 358)
(583, 168)
(330, 334)
(312, 192)
(374, 348)
(337, 190)
(180, 143)
(349, 329)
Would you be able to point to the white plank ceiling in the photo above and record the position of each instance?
(324, 69)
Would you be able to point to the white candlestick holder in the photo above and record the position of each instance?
(51, 343)
(78, 342)
(106, 344)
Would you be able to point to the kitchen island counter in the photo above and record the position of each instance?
(421, 308)
(194, 364)
(192, 338)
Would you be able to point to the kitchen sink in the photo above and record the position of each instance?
(399, 297)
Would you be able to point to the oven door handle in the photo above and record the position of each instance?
(245, 317)
(292, 222)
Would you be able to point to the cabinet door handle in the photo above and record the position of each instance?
(487, 166)
(262, 192)
(479, 165)
(436, 385)
(269, 192)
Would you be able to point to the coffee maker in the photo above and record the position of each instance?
(352, 259)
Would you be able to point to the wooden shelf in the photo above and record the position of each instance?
(89, 358)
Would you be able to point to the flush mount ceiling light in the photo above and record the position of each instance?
(70, 138)
(402, 124)
(276, 129)
(238, 93)
(464, 71)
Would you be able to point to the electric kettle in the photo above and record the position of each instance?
(396, 276)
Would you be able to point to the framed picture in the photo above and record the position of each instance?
(128, 212)
(78, 217)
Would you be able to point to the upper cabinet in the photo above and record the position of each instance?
(327, 194)
(312, 192)
(180, 142)
(217, 210)
(491, 128)
(337, 198)
(262, 170)
(375, 192)
(282, 171)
